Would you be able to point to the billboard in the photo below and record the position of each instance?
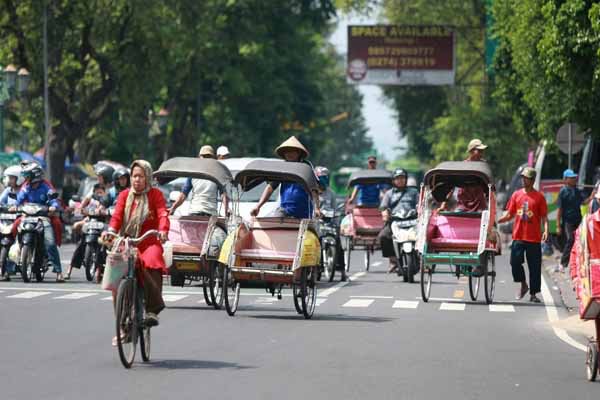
(400, 55)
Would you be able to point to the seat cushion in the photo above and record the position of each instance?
(267, 255)
(367, 220)
(453, 232)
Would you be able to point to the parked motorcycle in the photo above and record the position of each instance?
(33, 258)
(7, 220)
(328, 235)
(94, 254)
(404, 235)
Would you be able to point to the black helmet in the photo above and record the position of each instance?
(399, 172)
(120, 172)
(32, 172)
(105, 171)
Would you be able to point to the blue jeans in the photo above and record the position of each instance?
(51, 247)
(533, 252)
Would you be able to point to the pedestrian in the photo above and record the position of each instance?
(367, 195)
(529, 208)
(222, 153)
(570, 199)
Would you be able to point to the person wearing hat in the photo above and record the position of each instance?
(367, 195)
(569, 202)
(399, 200)
(205, 196)
(294, 202)
(475, 150)
(222, 153)
(528, 207)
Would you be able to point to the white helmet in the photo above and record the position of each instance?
(13, 170)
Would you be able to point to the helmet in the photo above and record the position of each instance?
(32, 172)
(399, 172)
(322, 174)
(119, 172)
(105, 171)
(15, 171)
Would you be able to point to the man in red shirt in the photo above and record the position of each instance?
(531, 211)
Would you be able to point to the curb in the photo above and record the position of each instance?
(562, 283)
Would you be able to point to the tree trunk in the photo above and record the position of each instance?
(56, 158)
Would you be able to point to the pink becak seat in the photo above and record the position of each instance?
(273, 245)
(453, 233)
(187, 235)
(367, 220)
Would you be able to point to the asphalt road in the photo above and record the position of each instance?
(372, 338)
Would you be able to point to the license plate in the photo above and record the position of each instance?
(96, 225)
(187, 266)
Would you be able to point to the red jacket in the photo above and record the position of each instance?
(150, 251)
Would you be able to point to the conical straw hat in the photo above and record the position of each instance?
(292, 143)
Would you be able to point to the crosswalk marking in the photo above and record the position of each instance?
(452, 307)
(405, 304)
(502, 308)
(265, 300)
(106, 298)
(75, 296)
(320, 301)
(358, 303)
(171, 298)
(371, 297)
(27, 295)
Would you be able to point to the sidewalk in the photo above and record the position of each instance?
(561, 282)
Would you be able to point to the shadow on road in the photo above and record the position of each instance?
(327, 317)
(192, 364)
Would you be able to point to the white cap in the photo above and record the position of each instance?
(222, 151)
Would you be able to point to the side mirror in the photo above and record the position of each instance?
(76, 198)
(174, 195)
(12, 196)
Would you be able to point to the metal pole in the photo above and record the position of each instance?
(570, 144)
(46, 105)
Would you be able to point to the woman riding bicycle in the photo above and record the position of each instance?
(139, 209)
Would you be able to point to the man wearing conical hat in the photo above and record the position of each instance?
(294, 201)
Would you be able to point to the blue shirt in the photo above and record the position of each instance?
(38, 196)
(295, 201)
(5, 200)
(570, 200)
(368, 195)
(112, 195)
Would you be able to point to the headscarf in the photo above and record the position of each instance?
(132, 221)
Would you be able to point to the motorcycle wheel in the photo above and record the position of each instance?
(25, 263)
(39, 266)
(88, 262)
(412, 266)
(3, 261)
(406, 259)
(330, 262)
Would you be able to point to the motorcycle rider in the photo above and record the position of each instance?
(13, 181)
(37, 190)
(327, 201)
(397, 200)
(98, 200)
(121, 181)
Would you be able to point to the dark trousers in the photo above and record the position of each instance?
(569, 232)
(387, 244)
(153, 290)
(78, 254)
(533, 252)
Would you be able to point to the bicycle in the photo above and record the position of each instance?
(130, 309)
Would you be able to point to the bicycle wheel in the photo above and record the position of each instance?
(367, 258)
(348, 251)
(474, 287)
(126, 322)
(216, 284)
(426, 276)
(206, 290)
(591, 362)
(231, 293)
(144, 331)
(308, 290)
(489, 276)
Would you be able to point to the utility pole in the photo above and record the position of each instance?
(46, 105)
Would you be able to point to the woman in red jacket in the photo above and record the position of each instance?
(139, 209)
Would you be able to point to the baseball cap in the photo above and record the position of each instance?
(476, 144)
(569, 173)
(207, 150)
(222, 151)
(529, 172)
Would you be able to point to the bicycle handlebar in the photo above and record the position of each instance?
(135, 241)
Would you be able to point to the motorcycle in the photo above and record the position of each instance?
(404, 236)
(7, 220)
(33, 258)
(328, 235)
(94, 254)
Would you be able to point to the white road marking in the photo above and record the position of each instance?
(502, 308)
(329, 291)
(165, 292)
(405, 304)
(27, 295)
(443, 299)
(265, 300)
(452, 307)
(75, 296)
(552, 314)
(170, 298)
(106, 298)
(377, 263)
(358, 303)
(371, 297)
(320, 301)
(201, 302)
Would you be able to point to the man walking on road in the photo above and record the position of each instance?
(530, 210)
(569, 217)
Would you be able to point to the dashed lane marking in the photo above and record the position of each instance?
(106, 298)
(358, 303)
(502, 308)
(27, 295)
(75, 296)
(171, 298)
(320, 301)
(329, 291)
(371, 297)
(405, 304)
(377, 263)
(452, 307)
